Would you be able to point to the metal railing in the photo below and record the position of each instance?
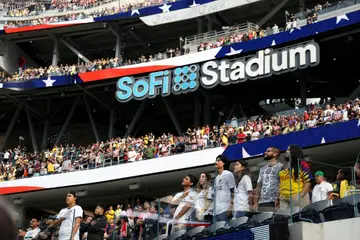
(326, 9)
(213, 35)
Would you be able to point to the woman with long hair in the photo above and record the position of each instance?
(204, 199)
(243, 193)
(295, 180)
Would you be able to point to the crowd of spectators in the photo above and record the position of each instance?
(17, 163)
(72, 5)
(99, 64)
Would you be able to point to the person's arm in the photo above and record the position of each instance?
(76, 227)
(183, 211)
(330, 191)
(99, 225)
(257, 195)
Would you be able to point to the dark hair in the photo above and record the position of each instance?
(101, 205)
(193, 179)
(75, 195)
(246, 171)
(275, 150)
(296, 154)
(225, 160)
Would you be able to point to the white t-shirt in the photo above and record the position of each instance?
(202, 197)
(189, 200)
(66, 226)
(223, 184)
(241, 196)
(320, 191)
(31, 233)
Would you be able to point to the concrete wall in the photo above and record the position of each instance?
(10, 55)
(347, 229)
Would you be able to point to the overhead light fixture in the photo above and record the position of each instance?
(82, 193)
(134, 186)
(18, 201)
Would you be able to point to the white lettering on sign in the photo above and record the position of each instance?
(264, 63)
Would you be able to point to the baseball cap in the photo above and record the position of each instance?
(319, 173)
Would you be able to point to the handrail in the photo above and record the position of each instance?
(62, 12)
(196, 39)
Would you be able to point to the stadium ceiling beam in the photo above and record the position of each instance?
(139, 39)
(34, 112)
(29, 39)
(97, 31)
(225, 19)
(332, 37)
(95, 97)
(272, 12)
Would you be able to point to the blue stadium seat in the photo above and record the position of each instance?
(261, 219)
(312, 212)
(177, 235)
(343, 208)
(193, 233)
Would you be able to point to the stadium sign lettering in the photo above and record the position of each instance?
(211, 73)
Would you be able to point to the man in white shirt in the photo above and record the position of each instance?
(33, 231)
(322, 189)
(69, 220)
(224, 189)
(185, 202)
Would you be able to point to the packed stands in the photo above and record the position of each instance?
(18, 163)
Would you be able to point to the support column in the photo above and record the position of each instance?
(55, 58)
(111, 124)
(207, 110)
(197, 110)
(273, 11)
(67, 121)
(46, 126)
(10, 128)
(173, 117)
(118, 47)
(199, 25)
(136, 118)
(93, 125)
(210, 22)
(74, 50)
(303, 92)
(32, 131)
(301, 5)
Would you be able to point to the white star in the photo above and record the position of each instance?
(323, 141)
(49, 82)
(233, 52)
(165, 8)
(135, 11)
(293, 29)
(339, 18)
(273, 43)
(194, 4)
(245, 153)
(358, 123)
(1, 85)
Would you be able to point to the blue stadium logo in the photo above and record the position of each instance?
(185, 79)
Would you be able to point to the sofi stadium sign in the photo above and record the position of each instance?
(211, 73)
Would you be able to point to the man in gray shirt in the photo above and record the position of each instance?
(268, 182)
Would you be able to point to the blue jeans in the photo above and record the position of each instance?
(239, 214)
(221, 217)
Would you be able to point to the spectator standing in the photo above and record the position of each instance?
(322, 190)
(268, 182)
(224, 189)
(243, 193)
(95, 229)
(295, 182)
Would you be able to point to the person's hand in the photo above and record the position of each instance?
(277, 203)
(229, 213)
(185, 194)
(256, 207)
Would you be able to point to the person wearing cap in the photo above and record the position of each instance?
(96, 228)
(322, 190)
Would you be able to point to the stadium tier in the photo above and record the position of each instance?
(179, 119)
